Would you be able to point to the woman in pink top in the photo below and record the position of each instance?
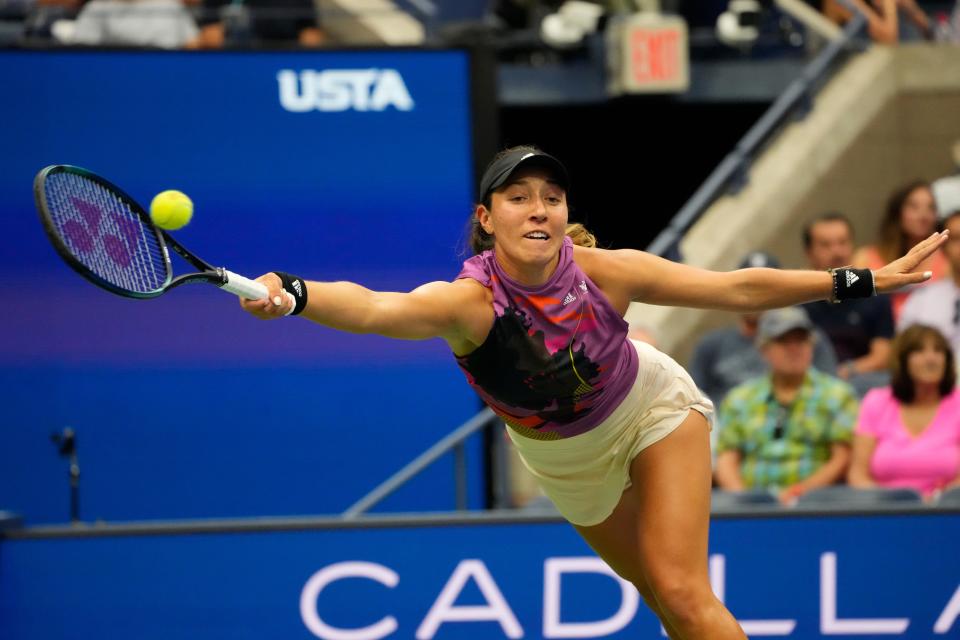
(908, 434)
(910, 217)
(615, 431)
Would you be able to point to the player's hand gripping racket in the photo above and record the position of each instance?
(106, 237)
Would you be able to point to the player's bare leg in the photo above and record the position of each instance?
(657, 536)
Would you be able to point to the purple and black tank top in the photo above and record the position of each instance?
(557, 361)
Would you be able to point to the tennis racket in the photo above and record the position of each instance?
(106, 237)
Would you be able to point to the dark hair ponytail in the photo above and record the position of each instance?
(479, 239)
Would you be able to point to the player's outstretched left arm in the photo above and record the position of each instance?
(644, 277)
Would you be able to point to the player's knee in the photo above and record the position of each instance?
(636, 578)
(686, 600)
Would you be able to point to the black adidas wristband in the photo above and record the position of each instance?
(297, 287)
(852, 283)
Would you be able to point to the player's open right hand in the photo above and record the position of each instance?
(903, 272)
(277, 303)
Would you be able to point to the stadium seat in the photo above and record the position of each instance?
(842, 495)
(729, 499)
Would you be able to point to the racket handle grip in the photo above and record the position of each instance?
(243, 287)
(247, 288)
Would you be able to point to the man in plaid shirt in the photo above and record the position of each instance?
(789, 430)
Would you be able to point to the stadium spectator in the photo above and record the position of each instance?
(946, 189)
(910, 217)
(861, 330)
(908, 434)
(938, 305)
(726, 357)
(167, 24)
(884, 22)
(260, 22)
(946, 29)
(788, 431)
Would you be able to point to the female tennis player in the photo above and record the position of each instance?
(615, 431)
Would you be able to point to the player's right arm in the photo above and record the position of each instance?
(460, 312)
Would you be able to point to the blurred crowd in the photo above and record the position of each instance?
(536, 26)
(859, 393)
(168, 24)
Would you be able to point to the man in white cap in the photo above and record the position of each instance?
(946, 190)
(938, 304)
(790, 430)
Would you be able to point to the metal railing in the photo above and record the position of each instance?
(217, 526)
(453, 441)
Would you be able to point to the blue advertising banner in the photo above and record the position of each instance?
(350, 165)
(792, 577)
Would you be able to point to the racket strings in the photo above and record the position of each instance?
(105, 234)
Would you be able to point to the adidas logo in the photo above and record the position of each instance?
(570, 298)
(298, 287)
(851, 278)
(583, 286)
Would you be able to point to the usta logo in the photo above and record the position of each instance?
(343, 90)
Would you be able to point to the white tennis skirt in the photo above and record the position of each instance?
(585, 475)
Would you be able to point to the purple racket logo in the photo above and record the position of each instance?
(101, 232)
(86, 236)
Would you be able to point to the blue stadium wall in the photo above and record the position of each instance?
(333, 165)
(878, 576)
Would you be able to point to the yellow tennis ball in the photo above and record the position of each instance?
(171, 209)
